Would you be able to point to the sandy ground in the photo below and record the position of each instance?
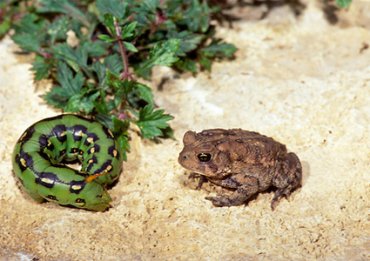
(300, 80)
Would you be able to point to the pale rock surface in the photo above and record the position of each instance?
(300, 80)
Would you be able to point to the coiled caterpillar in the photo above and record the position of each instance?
(42, 152)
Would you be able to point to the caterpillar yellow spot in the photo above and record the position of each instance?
(76, 187)
(108, 168)
(115, 152)
(92, 150)
(90, 140)
(23, 136)
(47, 181)
(23, 162)
(62, 134)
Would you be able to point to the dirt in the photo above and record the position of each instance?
(300, 79)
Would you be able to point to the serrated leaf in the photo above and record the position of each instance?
(151, 5)
(58, 29)
(145, 93)
(113, 81)
(146, 12)
(116, 8)
(124, 145)
(113, 63)
(41, 68)
(138, 95)
(28, 42)
(70, 83)
(30, 23)
(188, 41)
(105, 119)
(152, 122)
(57, 97)
(62, 6)
(120, 126)
(108, 21)
(106, 38)
(95, 48)
(81, 103)
(187, 65)
(197, 16)
(219, 49)
(130, 47)
(163, 53)
(30, 33)
(77, 57)
(72, 57)
(128, 30)
(205, 63)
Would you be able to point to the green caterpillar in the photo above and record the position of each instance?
(42, 152)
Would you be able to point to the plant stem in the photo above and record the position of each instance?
(126, 73)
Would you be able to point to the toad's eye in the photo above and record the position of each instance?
(204, 157)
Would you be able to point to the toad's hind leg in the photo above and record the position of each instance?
(288, 177)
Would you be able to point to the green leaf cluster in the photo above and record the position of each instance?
(8, 11)
(94, 52)
(343, 3)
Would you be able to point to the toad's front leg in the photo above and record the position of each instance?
(243, 191)
(202, 179)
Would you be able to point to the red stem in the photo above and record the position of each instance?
(126, 73)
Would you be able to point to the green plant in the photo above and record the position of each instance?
(95, 52)
(8, 9)
(343, 3)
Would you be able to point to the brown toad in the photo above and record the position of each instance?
(243, 161)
